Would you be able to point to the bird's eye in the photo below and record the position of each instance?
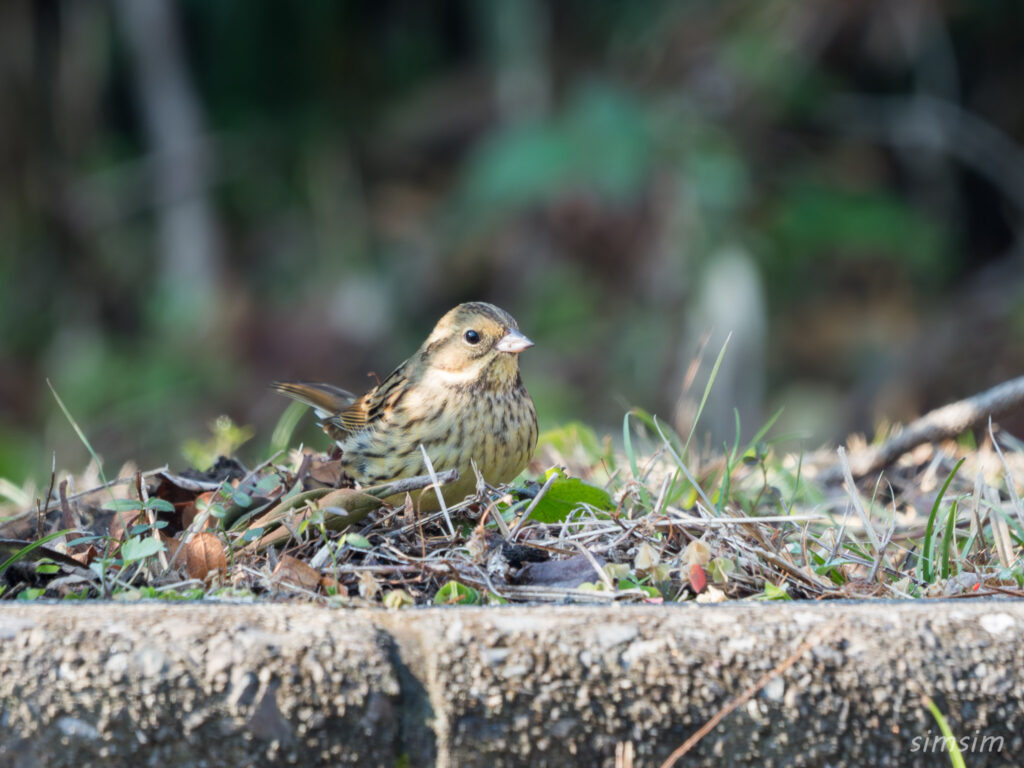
(471, 337)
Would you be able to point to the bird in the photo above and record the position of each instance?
(460, 396)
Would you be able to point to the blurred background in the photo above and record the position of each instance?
(198, 198)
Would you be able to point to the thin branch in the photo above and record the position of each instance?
(943, 423)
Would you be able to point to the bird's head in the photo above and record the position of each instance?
(475, 343)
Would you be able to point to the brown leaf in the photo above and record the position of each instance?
(183, 500)
(325, 473)
(328, 583)
(204, 553)
(67, 519)
(189, 511)
(86, 555)
(121, 522)
(291, 570)
(173, 543)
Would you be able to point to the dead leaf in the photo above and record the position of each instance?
(291, 570)
(646, 557)
(204, 553)
(85, 556)
(329, 583)
(326, 473)
(697, 552)
(121, 522)
(191, 510)
(561, 574)
(711, 595)
(173, 544)
(368, 585)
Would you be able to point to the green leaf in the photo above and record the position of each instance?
(567, 494)
(29, 594)
(47, 566)
(632, 583)
(136, 548)
(252, 534)
(141, 528)
(83, 540)
(122, 505)
(160, 505)
(574, 435)
(774, 592)
(720, 568)
(397, 598)
(355, 540)
(456, 593)
(267, 483)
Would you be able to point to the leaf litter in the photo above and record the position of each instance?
(640, 525)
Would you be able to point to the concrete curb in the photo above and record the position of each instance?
(273, 684)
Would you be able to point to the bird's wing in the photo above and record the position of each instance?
(365, 412)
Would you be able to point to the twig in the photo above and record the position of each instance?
(601, 574)
(533, 505)
(49, 493)
(261, 466)
(942, 423)
(437, 489)
(751, 690)
(151, 518)
(851, 488)
(79, 494)
(1011, 489)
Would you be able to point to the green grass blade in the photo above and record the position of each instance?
(764, 429)
(282, 434)
(29, 547)
(956, 758)
(796, 483)
(926, 547)
(736, 437)
(947, 539)
(627, 442)
(80, 433)
(707, 392)
(682, 467)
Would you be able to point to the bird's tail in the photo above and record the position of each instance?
(326, 399)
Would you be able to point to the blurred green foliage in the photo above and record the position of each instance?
(600, 144)
(582, 164)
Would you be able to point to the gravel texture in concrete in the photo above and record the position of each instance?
(274, 684)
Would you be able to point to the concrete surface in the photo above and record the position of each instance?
(234, 685)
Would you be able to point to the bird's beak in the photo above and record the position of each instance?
(514, 342)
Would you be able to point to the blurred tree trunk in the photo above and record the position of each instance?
(522, 77)
(729, 304)
(187, 231)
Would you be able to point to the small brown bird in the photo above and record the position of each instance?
(460, 396)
